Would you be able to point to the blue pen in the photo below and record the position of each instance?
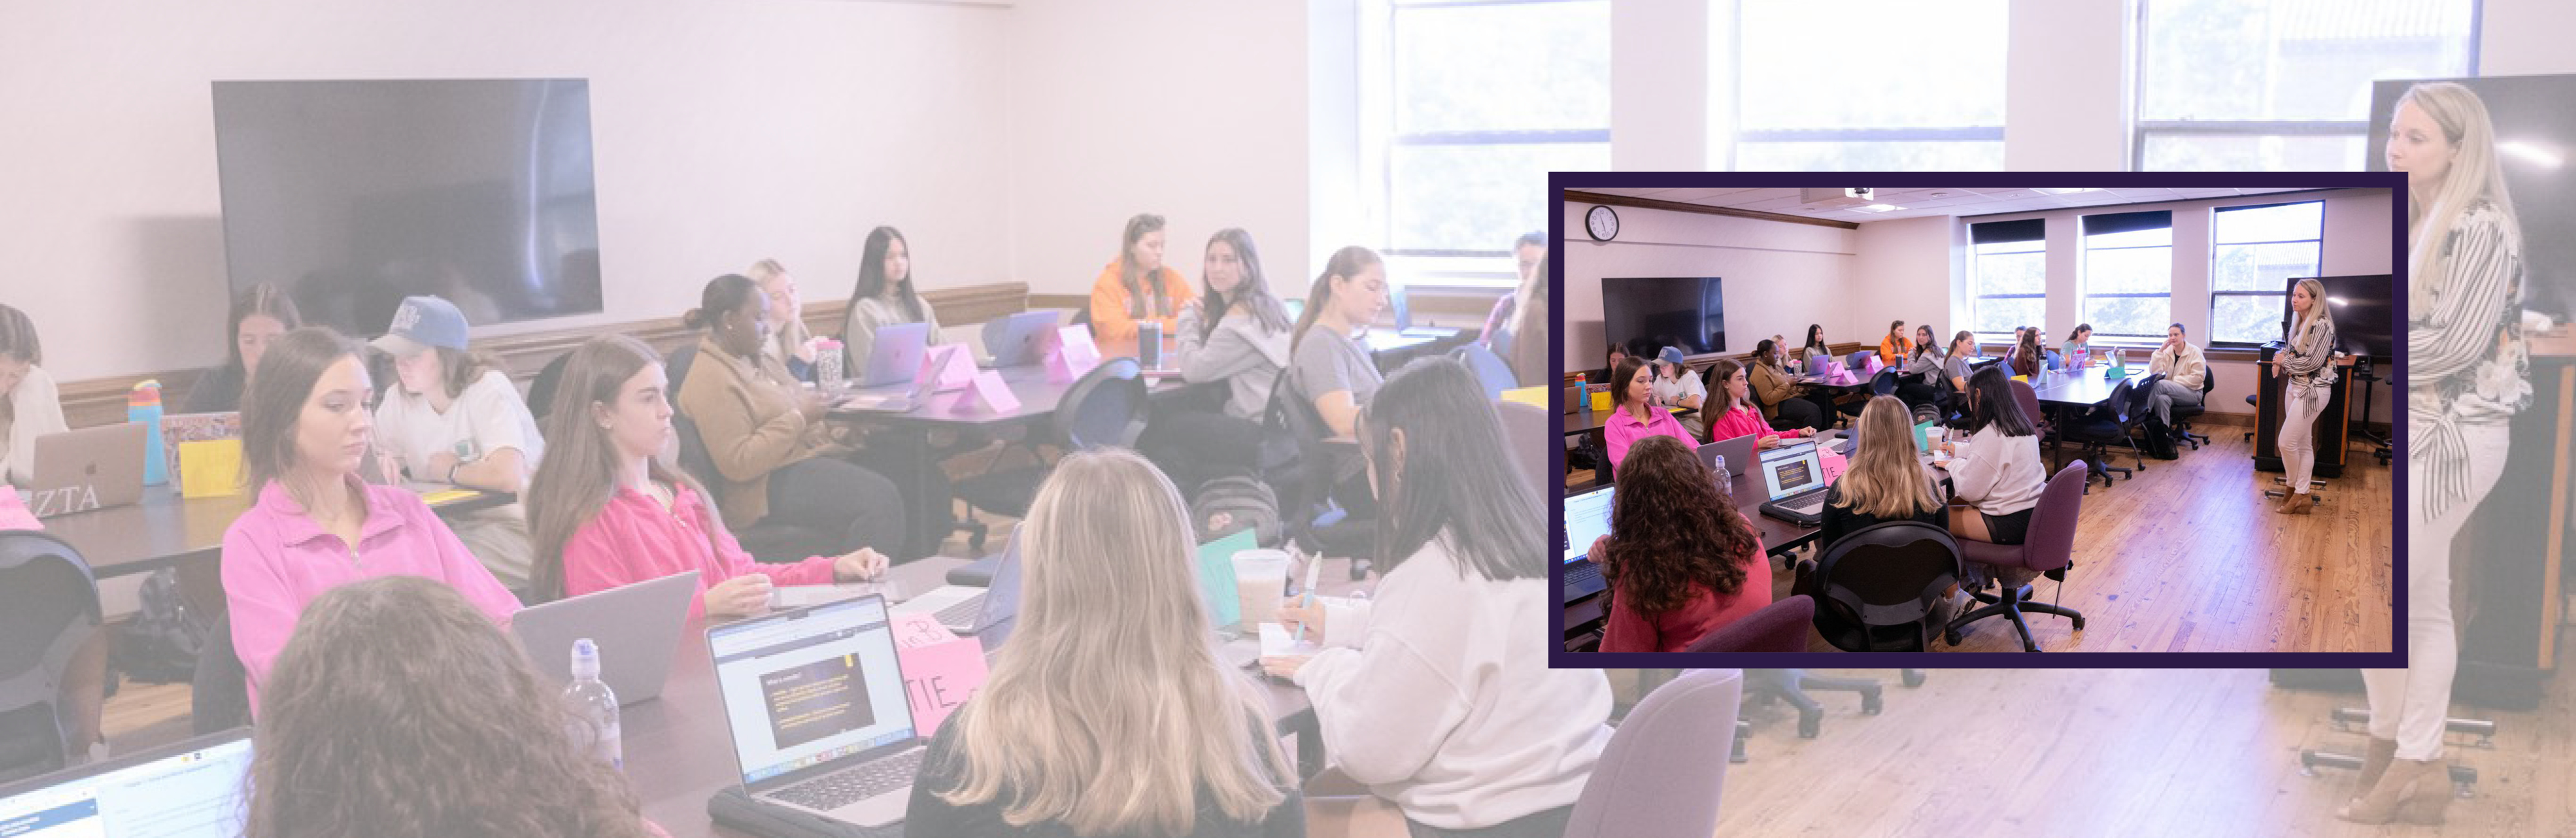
(1313, 566)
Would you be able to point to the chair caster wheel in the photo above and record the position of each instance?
(1950, 637)
(1914, 677)
(1871, 703)
(1809, 727)
(2079, 624)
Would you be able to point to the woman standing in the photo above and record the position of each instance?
(2308, 362)
(2471, 373)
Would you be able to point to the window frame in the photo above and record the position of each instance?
(1978, 295)
(1917, 134)
(2215, 244)
(2141, 128)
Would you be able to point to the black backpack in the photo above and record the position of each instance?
(1247, 502)
(160, 644)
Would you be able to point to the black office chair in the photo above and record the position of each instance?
(1304, 469)
(1489, 368)
(768, 541)
(1876, 586)
(541, 390)
(1884, 383)
(1106, 407)
(219, 694)
(48, 608)
(2183, 413)
(2096, 430)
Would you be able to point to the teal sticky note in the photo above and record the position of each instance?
(1216, 575)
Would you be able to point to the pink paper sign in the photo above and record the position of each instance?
(940, 670)
(947, 367)
(1073, 354)
(13, 511)
(990, 393)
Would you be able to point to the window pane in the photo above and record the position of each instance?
(2171, 152)
(2142, 270)
(2005, 315)
(2262, 267)
(2292, 59)
(1790, 82)
(2034, 246)
(2271, 224)
(1517, 66)
(2128, 315)
(1870, 157)
(2156, 236)
(2012, 273)
(2252, 318)
(1474, 197)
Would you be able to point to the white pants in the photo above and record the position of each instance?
(2299, 433)
(2409, 705)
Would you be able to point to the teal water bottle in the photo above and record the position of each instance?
(144, 405)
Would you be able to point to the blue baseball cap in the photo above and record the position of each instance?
(1672, 355)
(421, 324)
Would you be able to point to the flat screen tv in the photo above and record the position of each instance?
(1670, 311)
(354, 194)
(2535, 129)
(2365, 316)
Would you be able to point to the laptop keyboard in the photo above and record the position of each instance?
(1807, 504)
(842, 788)
(963, 613)
(1581, 575)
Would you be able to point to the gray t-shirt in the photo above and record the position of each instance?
(1326, 361)
(1956, 367)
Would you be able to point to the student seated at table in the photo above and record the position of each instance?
(454, 417)
(1816, 348)
(1784, 400)
(30, 405)
(1886, 480)
(883, 297)
(1532, 322)
(1135, 288)
(1529, 252)
(261, 313)
(1995, 482)
(315, 524)
(1915, 385)
(2027, 359)
(2077, 343)
(606, 512)
(1422, 694)
(793, 343)
(397, 710)
(1681, 561)
(775, 457)
(1236, 333)
(1954, 363)
(2185, 369)
(1633, 414)
(1734, 412)
(1676, 387)
(1109, 712)
(1895, 347)
(1328, 364)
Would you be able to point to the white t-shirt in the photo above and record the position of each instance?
(1999, 474)
(487, 417)
(1670, 392)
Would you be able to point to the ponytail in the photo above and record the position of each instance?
(1345, 263)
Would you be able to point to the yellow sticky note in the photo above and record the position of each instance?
(445, 496)
(2022, 378)
(1601, 400)
(1532, 396)
(210, 468)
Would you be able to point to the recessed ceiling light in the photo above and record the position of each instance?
(1877, 208)
(2066, 191)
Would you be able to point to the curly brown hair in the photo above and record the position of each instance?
(397, 710)
(1670, 529)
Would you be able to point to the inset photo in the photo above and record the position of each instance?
(1981, 413)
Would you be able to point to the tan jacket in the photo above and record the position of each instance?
(1771, 386)
(2186, 370)
(746, 416)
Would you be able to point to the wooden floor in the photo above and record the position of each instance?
(2122, 752)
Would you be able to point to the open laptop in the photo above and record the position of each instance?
(821, 722)
(91, 468)
(1017, 340)
(901, 398)
(894, 357)
(1738, 453)
(186, 790)
(637, 629)
(1859, 361)
(969, 610)
(1404, 318)
(1795, 477)
(1587, 517)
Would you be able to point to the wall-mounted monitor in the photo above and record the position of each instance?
(1670, 311)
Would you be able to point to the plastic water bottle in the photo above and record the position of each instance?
(1725, 480)
(827, 363)
(594, 706)
(144, 405)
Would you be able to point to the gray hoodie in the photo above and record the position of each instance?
(1241, 353)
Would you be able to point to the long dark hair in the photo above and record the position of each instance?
(1449, 483)
(872, 276)
(455, 734)
(1816, 337)
(262, 300)
(1673, 530)
(1346, 263)
(1252, 294)
(18, 341)
(578, 475)
(1996, 405)
(1621, 376)
(2080, 328)
(287, 374)
(1131, 277)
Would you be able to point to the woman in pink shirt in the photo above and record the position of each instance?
(1633, 415)
(1680, 560)
(1731, 411)
(603, 512)
(316, 525)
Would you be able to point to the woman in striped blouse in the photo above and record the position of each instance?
(2469, 372)
(2308, 361)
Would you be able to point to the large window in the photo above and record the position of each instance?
(1869, 85)
(2257, 251)
(1467, 105)
(2010, 269)
(2282, 84)
(2128, 273)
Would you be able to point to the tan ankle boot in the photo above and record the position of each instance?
(2374, 762)
(2301, 505)
(2415, 790)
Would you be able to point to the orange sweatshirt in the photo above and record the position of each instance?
(1114, 315)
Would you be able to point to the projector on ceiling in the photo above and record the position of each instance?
(1836, 198)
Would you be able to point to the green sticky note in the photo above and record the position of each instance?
(1216, 575)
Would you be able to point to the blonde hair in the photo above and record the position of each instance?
(2474, 176)
(1110, 711)
(1886, 479)
(2318, 310)
(788, 336)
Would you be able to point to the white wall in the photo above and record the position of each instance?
(1192, 110)
(1903, 273)
(1779, 276)
(724, 132)
(2070, 83)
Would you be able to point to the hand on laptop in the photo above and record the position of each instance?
(861, 565)
(1600, 550)
(739, 596)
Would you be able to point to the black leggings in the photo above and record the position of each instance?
(1915, 393)
(1547, 824)
(1802, 412)
(1195, 447)
(836, 496)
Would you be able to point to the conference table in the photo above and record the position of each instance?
(679, 750)
(166, 530)
(2069, 393)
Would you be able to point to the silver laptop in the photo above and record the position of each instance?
(1017, 340)
(969, 610)
(91, 468)
(189, 789)
(821, 722)
(901, 398)
(637, 629)
(894, 357)
(1738, 453)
